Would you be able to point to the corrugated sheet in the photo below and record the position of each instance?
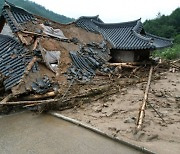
(124, 36)
(13, 60)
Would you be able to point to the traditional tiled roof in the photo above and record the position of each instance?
(13, 60)
(125, 36)
(16, 16)
(88, 24)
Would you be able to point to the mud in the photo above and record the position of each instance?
(117, 114)
(41, 134)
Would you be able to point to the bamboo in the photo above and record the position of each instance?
(142, 109)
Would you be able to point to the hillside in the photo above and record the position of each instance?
(39, 10)
(166, 26)
(169, 27)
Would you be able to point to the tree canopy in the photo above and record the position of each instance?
(165, 26)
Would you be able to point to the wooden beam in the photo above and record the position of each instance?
(42, 96)
(142, 109)
(30, 102)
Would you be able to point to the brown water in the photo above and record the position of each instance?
(25, 133)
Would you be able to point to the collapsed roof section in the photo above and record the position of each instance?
(13, 61)
(124, 36)
(48, 54)
(16, 16)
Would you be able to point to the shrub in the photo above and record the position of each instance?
(168, 53)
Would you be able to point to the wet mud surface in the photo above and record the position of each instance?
(35, 134)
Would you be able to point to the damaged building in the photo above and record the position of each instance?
(129, 41)
(41, 56)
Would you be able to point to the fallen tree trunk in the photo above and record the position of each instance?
(142, 109)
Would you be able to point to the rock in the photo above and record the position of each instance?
(171, 99)
(105, 105)
(139, 135)
(130, 120)
(158, 94)
(152, 137)
(173, 84)
(112, 128)
(97, 109)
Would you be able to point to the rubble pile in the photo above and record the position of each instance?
(87, 60)
(40, 58)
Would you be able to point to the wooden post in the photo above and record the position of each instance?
(142, 109)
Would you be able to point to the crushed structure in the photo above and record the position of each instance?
(44, 58)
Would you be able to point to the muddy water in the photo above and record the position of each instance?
(25, 133)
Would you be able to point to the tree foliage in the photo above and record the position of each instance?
(38, 10)
(165, 26)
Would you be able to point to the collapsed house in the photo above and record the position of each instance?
(40, 56)
(129, 40)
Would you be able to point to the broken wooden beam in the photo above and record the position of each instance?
(29, 102)
(23, 40)
(38, 96)
(35, 44)
(142, 109)
(33, 33)
(130, 64)
(6, 99)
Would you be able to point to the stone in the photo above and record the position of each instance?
(130, 120)
(97, 109)
(171, 99)
(152, 137)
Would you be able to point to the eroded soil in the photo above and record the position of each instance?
(117, 114)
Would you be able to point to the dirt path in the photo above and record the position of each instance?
(117, 114)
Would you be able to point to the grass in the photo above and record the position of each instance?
(168, 53)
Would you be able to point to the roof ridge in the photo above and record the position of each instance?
(159, 37)
(89, 17)
(141, 37)
(11, 5)
(120, 24)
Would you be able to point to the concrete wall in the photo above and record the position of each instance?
(129, 56)
(122, 56)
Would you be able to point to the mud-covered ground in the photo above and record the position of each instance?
(116, 114)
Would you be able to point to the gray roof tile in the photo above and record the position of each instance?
(16, 16)
(125, 36)
(13, 60)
